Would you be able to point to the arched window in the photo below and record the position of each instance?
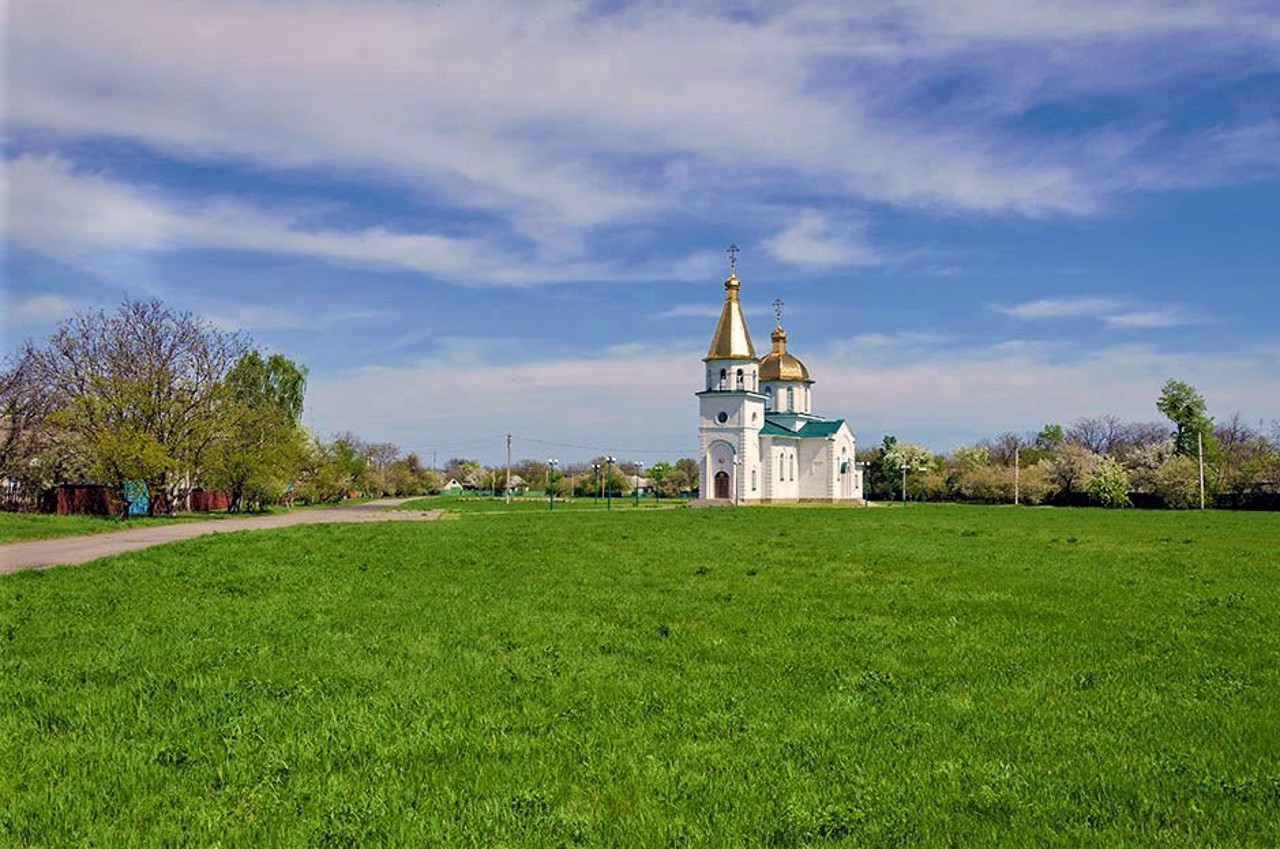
(793, 466)
(768, 398)
(723, 375)
(739, 378)
(753, 480)
(791, 399)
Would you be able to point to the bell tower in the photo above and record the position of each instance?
(731, 405)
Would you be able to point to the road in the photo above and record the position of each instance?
(41, 554)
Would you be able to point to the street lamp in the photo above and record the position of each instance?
(595, 490)
(639, 467)
(551, 483)
(608, 483)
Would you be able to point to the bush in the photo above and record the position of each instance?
(1108, 484)
(1177, 482)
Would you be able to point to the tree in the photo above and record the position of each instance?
(137, 394)
(1186, 408)
(1070, 469)
(689, 468)
(1177, 482)
(1108, 484)
(1050, 437)
(261, 450)
(28, 455)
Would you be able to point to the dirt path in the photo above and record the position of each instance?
(40, 554)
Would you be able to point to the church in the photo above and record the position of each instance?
(758, 439)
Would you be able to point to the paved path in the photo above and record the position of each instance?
(40, 554)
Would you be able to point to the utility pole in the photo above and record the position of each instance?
(508, 500)
(1016, 470)
(904, 483)
(1200, 451)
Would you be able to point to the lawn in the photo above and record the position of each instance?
(918, 676)
(18, 527)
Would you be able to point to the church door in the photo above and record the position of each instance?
(722, 485)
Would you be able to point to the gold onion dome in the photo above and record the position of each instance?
(778, 364)
(731, 340)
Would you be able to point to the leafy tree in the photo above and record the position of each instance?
(1051, 437)
(1108, 484)
(1070, 469)
(1177, 482)
(1186, 408)
(136, 394)
(261, 450)
(904, 456)
(689, 468)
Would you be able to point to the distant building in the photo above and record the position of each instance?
(758, 438)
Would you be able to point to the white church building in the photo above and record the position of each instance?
(758, 439)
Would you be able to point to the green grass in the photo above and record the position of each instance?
(923, 676)
(488, 504)
(17, 527)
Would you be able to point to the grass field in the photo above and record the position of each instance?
(920, 676)
(17, 527)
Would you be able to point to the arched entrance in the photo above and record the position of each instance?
(722, 484)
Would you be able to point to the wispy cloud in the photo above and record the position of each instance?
(951, 397)
(1062, 307)
(42, 309)
(1114, 312)
(813, 239)
(812, 97)
(70, 214)
(1173, 317)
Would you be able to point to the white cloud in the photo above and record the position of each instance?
(814, 240)
(558, 117)
(1114, 312)
(1062, 307)
(75, 215)
(42, 309)
(946, 398)
(1172, 317)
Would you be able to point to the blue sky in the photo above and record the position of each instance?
(491, 217)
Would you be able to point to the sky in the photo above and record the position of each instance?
(480, 218)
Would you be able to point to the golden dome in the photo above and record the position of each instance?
(731, 340)
(778, 364)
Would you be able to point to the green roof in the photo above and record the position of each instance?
(809, 430)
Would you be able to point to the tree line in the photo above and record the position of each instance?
(148, 395)
(597, 477)
(1099, 460)
(145, 395)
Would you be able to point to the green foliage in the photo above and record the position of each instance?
(935, 676)
(1177, 482)
(1108, 484)
(262, 444)
(972, 456)
(1051, 437)
(1186, 408)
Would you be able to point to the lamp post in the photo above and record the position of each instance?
(608, 483)
(595, 489)
(551, 483)
(639, 467)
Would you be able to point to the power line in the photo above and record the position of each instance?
(598, 448)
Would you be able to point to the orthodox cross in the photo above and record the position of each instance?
(777, 309)
(733, 257)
